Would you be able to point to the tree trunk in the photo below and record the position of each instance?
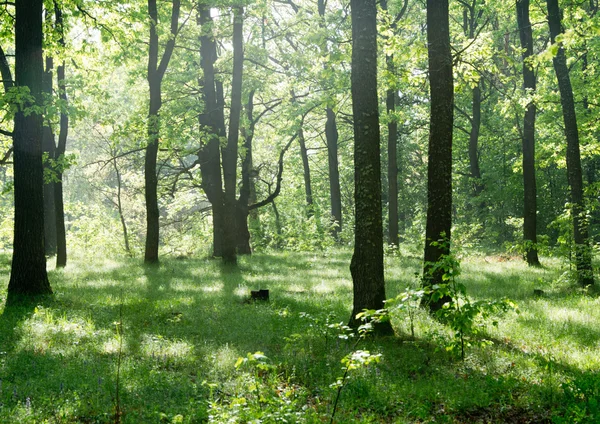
(474, 141)
(49, 150)
(243, 232)
(209, 119)
(331, 135)
(367, 261)
(439, 169)
(28, 272)
(392, 160)
(156, 72)
(529, 183)
(61, 236)
(306, 168)
(583, 254)
(230, 152)
(335, 195)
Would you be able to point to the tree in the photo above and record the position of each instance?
(583, 254)
(367, 261)
(156, 72)
(528, 137)
(439, 168)
(28, 272)
(61, 239)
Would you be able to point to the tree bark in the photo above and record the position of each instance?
(28, 272)
(439, 169)
(61, 236)
(528, 140)
(474, 141)
(367, 261)
(583, 254)
(230, 152)
(49, 150)
(156, 72)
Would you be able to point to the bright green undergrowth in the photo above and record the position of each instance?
(120, 341)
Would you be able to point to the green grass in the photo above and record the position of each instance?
(179, 329)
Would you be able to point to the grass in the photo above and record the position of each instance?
(174, 334)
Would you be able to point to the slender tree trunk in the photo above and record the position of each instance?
(120, 206)
(243, 232)
(306, 168)
(392, 159)
(583, 254)
(332, 137)
(474, 141)
(335, 194)
(439, 169)
(156, 72)
(529, 183)
(49, 150)
(367, 261)
(61, 235)
(230, 152)
(28, 272)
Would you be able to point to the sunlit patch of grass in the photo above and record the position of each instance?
(180, 328)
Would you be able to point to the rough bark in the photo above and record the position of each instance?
(439, 169)
(156, 72)
(49, 150)
(367, 261)
(583, 254)
(528, 139)
(61, 236)
(28, 271)
(474, 141)
(230, 152)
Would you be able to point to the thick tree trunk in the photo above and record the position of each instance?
(529, 183)
(156, 72)
(49, 150)
(367, 261)
(212, 130)
(439, 169)
(28, 272)
(230, 152)
(583, 253)
(61, 236)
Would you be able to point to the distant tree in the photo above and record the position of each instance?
(156, 72)
(439, 168)
(367, 261)
(28, 273)
(583, 254)
(61, 147)
(528, 138)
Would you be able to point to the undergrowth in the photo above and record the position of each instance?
(182, 344)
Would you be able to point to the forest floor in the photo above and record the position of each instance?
(181, 343)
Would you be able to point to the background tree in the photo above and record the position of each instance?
(583, 256)
(528, 136)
